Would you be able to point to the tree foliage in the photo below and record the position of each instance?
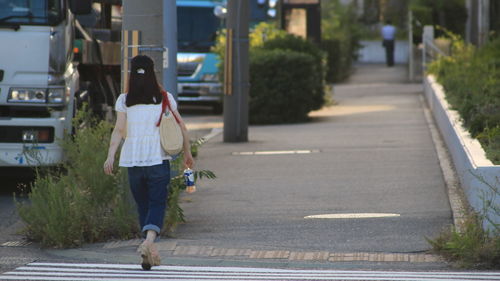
(449, 14)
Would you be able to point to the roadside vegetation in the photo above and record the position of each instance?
(448, 14)
(287, 74)
(471, 80)
(341, 32)
(77, 203)
(472, 248)
(474, 245)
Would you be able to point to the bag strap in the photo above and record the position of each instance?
(165, 102)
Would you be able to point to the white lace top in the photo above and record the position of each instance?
(142, 144)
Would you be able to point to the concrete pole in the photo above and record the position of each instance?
(468, 25)
(483, 21)
(237, 73)
(411, 61)
(146, 17)
(170, 44)
(478, 21)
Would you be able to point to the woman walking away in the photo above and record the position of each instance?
(138, 112)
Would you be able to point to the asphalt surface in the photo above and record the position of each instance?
(375, 155)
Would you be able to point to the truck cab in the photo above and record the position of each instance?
(37, 79)
(197, 66)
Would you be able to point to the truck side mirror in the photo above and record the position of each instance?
(80, 7)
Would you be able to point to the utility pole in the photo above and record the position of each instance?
(411, 58)
(170, 44)
(236, 79)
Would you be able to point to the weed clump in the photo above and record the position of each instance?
(77, 203)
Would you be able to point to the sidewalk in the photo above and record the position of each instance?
(371, 153)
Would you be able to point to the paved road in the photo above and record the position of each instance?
(96, 272)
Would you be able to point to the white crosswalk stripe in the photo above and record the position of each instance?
(128, 272)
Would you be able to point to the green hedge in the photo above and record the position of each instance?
(340, 58)
(341, 32)
(317, 74)
(471, 79)
(287, 75)
(281, 86)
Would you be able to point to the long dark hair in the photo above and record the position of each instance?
(143, 88)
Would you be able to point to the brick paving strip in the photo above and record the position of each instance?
(208, 251)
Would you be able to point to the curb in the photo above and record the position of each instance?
(456, 195)
(172, 249)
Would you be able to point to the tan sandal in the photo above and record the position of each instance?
(148, 259)
(146, 256)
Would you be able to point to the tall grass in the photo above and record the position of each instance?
(475, 246)
(175, 214)
(77, 203)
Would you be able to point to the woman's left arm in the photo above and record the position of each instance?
(188, 157)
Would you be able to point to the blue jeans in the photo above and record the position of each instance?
(149, 186)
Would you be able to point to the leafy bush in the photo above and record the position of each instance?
(450, 14)
(261, 33)
(297, 44)
(267, 105)
(78, 203)
(264, 32)
(339, 62)
(281, 86)
(471, 79)
(341, 32)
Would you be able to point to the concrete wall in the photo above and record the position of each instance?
(374, 52)
(468, 156)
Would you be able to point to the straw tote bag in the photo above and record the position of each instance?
(171, 138)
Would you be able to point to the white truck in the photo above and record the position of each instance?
(40, 80)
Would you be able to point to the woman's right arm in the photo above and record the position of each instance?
(116, 137)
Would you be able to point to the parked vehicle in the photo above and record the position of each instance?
(41, 83)
(198, 81)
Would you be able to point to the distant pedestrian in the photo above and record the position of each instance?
(388, 37)
(138, 112)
